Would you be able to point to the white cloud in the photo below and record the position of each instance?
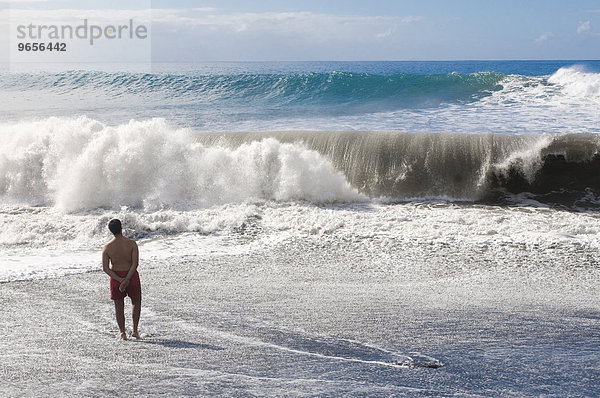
(385, 34)
(23, 1)
(410, 19)
(306, 23)
(542, 38)
(208, 33)
(298, 35)
(204, 9)
(583, 26)
(69, 16)
(288, 22)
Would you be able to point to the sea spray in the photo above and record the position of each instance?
(79, 164)
(576, 82)
(469, 167)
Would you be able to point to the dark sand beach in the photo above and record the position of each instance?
(280, 322)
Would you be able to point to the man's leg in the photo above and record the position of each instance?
(136, 304)
(120, 312)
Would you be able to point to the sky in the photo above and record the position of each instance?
(311, 30)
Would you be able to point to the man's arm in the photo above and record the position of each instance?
(110, 272)
(135, 254)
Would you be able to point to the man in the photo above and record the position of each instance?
(123, 255)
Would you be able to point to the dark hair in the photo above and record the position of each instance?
(115, 226)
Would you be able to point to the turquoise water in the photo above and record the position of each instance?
(511, 96)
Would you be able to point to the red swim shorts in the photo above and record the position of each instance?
(133, 290)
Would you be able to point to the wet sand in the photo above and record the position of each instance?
(265, 324)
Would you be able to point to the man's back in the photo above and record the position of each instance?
(120, 252)
(123, 254)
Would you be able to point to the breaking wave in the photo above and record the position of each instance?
(280, 89)
(78, 164)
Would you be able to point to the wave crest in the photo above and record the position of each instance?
(578, 83)
(80, 164)
(279, 89)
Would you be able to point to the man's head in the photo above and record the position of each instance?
(115, 226)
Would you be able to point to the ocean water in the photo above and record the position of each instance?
(517, 97)
(476, 180)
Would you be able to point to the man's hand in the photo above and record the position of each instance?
(124, 284)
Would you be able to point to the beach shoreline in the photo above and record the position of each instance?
(250, 325)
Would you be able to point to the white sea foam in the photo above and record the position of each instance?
(62, 179)
(79, 163)
(577, 83)
(564, 102)
(529, 160)
(46, 243)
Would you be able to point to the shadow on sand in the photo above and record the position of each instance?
(172, 343)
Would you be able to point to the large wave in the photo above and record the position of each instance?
(78, 164)
(280, 89)
(564, 102)
(332, 88)
(560, 169)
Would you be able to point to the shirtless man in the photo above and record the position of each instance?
(123, 255)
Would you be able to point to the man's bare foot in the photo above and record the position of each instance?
(123, 335)
(136, 334)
